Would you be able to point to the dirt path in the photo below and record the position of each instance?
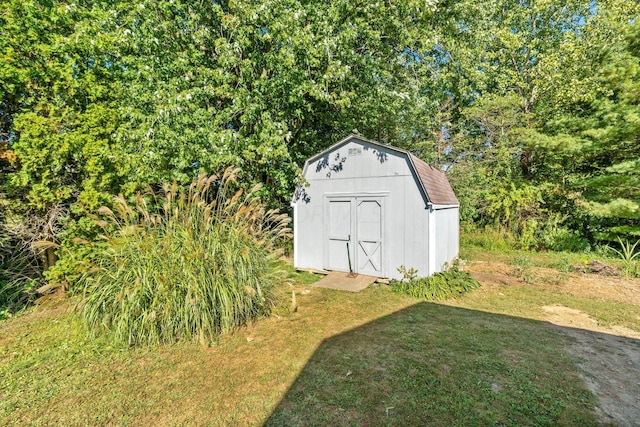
(609, 358)
(610, 367)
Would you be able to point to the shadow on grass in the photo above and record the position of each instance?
(433, 364)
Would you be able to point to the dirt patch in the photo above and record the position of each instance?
(608, 357)
(572, 318)
(608, 288)
(610, 366)
(495, 277)
(609, 360)
(344, 281)
(604, 288)
(489, 267)
(597, 267)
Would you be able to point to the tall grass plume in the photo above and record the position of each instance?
(184, 264)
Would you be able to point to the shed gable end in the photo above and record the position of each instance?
(356, 158)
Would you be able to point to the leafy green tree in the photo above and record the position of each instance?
(104, 98)
(158, 90)
(591, 131)
(546, 97)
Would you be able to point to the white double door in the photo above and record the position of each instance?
(354, 228)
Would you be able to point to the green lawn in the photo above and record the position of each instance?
(374, 358)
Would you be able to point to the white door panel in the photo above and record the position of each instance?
(369, 235)
(339, 230)
(354, 227)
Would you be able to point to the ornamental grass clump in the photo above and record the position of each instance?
(186, 264)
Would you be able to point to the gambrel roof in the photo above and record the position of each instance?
(433, 182)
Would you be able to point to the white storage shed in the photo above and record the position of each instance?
(370, 208)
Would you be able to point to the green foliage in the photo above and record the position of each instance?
(547, 104)
(19, 270)
(190, 264)
(556, 236)
(531, 107)
(487, 238)
(16, 293)
(516, 210)
(448, 284)
(20, 273)
(532, 234)
(108, 97)
(628, 254)
(564, 265)
(105, 98)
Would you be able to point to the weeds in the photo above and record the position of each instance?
(488, 239)
(554, 279)
(200, 265)
(563, 264)
(440, 286)
(522, 268)
(20, 274)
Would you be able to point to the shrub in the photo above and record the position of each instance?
(440, 286)
(541, 233)
(561, 239)
(202, 265)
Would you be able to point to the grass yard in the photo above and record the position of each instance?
(373, 358)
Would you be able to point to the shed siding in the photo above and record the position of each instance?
(447, 234)
(357, 160)
(361, 171)
(357, 169)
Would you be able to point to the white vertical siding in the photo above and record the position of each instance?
(447, 236)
